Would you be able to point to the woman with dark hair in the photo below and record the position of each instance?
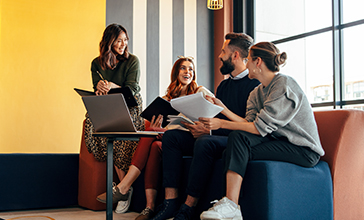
(279, 125)
(148, 152)
(115, 67)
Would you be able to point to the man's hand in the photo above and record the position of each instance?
(211, 123)
(197, 129)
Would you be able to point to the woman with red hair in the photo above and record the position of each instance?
(148, 152)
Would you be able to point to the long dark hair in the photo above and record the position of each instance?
(107, 58)
(175, 87)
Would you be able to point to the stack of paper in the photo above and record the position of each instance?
(195, 106)
(176, 120)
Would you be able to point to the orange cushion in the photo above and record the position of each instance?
(342, 137)
(92, 177)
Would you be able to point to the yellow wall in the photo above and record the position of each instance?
(46, 48)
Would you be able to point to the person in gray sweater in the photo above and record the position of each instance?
(279, 125)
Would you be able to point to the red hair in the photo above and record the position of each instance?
(174, 89)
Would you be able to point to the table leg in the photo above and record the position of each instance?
(109, 178)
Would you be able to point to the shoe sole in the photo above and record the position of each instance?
(235, 218)
(100, 200)
(212, 218)
(127, 207)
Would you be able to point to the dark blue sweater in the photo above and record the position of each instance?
(234, 94)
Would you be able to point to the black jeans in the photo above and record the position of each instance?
(205, 151)
(243, 147)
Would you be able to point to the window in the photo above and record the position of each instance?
(352, 71)
(323, 42)
(322, 93)
(358, 90)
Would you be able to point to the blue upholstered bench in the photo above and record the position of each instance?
(32, 181)
(271, 191)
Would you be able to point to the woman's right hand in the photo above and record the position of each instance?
(216, 101)
(103, 87)
(156, 122)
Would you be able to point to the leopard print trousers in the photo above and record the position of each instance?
(122, 150)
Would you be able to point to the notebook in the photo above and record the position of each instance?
(110, 113)
(126, 91)
(159, 106)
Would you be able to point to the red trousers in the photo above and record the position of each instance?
(148, 155)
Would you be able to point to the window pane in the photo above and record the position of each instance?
(309, 62)
(283, 18)
(353, 73)
(358, 106)
(353, 10)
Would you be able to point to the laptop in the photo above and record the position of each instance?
(110, 113)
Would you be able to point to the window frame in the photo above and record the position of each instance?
(248, 9)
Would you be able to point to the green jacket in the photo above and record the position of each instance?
(126, 73)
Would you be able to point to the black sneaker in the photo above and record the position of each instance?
(184, 213)
(166, 210)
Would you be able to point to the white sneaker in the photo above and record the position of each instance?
(123, 206)
(225, 209)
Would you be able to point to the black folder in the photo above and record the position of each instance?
(159, 106)
(126, 91)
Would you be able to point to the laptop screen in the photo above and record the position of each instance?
(109, 113)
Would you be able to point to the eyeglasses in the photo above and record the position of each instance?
(245, 60)
(183, 57)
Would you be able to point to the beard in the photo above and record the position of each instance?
(227, 66)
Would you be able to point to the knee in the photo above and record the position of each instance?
(169, 135)
(235, 135)
(171, 139)
(156, 147)
(239, 136)
(149, 129)
(203, 146)
(168, 139)
(155, 129)
(238, 141)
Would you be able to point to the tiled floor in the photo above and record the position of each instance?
(64, 214)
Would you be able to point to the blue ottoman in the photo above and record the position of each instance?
(279, 191)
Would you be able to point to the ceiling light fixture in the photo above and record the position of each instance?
(214, 4)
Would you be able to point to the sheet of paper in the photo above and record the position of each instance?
(195, 106)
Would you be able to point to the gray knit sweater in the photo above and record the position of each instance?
(282, 110)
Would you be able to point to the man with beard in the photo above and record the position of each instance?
(205, 148)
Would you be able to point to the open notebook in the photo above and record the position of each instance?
(126, 91)
(159, 106)
(109, 113)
